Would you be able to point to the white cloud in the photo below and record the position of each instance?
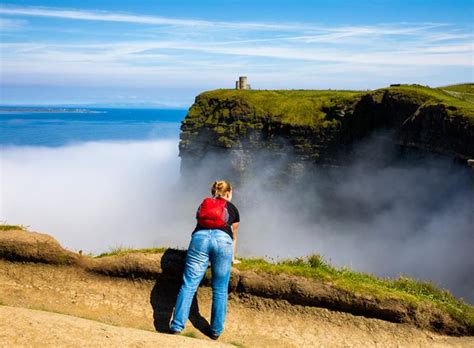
(7, 24)
(132, 55)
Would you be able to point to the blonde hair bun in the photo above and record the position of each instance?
(220, 188)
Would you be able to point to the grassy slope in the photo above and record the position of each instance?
(407, 289)
(410, 291)
(424, 95)
(307, 107)
(463, 91)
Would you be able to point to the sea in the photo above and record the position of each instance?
(36, 126)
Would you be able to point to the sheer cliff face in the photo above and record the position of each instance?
(320, 127)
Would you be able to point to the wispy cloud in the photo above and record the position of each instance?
(174, 52)
(138, 19)
(11, 24)
(137, 50)
(106, 16)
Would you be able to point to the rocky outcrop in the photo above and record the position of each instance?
(317, 127)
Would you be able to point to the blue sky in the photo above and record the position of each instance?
(152, 53)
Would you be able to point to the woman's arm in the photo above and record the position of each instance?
(235, 227)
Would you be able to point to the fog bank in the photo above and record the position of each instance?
(382, 215)
(96, 195)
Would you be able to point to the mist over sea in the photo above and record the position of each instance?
(100, 180)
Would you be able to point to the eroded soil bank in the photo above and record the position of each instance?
(147, 305)
(138, 290)
(18, 246)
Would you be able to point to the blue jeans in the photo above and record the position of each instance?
(214, 245)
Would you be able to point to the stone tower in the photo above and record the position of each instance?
(242, 83)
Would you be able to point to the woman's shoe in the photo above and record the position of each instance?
(214, 337)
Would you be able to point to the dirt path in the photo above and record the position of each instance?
(33, 328)
(147, 305)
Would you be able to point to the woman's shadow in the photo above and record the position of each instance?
(164, 293)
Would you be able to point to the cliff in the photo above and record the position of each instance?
(321, 127)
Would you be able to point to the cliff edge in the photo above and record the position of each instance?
(321, 127)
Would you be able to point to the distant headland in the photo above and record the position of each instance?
(48, 110)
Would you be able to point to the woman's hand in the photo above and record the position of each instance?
(235, 227)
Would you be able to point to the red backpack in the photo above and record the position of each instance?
(212, 213)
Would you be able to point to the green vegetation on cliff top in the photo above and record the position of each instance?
(316, 108)
(121, 250)
(463, 91)
(455, 97)
(296, 107)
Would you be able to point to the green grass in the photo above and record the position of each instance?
(13, 227)
(409, 290)
(190, 334)
(443, 95)
(120, 251)
(237, 344)
(295, 107)
(463, 91)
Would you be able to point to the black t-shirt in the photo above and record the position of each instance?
(233, 218)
